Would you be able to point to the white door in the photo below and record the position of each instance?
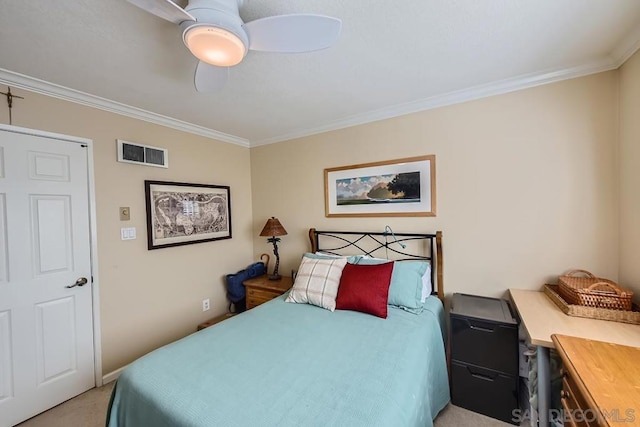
(46, 327)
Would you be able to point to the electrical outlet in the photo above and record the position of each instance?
(206, 304)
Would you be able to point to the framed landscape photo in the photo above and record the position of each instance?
(402, 187)
(181, 214)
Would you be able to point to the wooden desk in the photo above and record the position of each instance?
(541, 318)
(601, 382)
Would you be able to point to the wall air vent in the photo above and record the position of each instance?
(131, 152)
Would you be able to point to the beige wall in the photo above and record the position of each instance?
(526, 188)
(630, 173)
(150, 298)
(526, 183)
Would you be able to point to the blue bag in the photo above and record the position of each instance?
(235, 288)
(257, 269)
(236, 292)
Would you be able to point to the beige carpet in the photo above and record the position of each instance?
(87, 410)
(90, 409)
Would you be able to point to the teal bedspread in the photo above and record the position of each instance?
(283, 364)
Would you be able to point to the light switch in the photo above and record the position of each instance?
(125, 213)
(128, 233)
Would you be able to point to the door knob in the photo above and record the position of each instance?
(80, 282)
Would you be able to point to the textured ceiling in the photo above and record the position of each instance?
(390, 54)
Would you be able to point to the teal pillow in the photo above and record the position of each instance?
(406, 285)
(405, 290)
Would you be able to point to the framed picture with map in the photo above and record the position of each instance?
(181, 214)
(401, 187)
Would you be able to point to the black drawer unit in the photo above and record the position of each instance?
(484, 356)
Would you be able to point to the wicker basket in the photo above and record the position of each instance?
(591, 291)
(632, 316)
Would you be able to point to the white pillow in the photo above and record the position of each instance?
(426, 283)
(317, 282)
(352, 259)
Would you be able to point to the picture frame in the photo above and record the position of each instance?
(181, 213)
(400, 187)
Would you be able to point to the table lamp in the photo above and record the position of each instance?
(273, 228)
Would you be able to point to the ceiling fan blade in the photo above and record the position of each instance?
(293, 33)
(165, 9)
(209, 78)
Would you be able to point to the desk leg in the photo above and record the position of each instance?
(544, 386)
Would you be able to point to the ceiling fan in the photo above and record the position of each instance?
(215, 34)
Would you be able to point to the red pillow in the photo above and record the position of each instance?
(365, 288)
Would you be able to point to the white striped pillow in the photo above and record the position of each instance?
(317, 282)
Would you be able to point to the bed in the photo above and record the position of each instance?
(285, 364)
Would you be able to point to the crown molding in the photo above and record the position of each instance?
(67, 94)
(627, 47)
(619, 56)
(451, 98)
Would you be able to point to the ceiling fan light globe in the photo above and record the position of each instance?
(215, 46)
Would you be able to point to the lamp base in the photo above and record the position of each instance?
(275, 277)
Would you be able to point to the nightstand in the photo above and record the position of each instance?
(484, 356)
(215, 320)
(261, 289)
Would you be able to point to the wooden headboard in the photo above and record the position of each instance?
(385, 245)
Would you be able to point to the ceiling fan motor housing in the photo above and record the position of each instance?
(222, 14)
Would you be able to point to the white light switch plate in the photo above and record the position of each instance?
(128, 233)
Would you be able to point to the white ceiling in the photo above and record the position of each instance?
(393, 57)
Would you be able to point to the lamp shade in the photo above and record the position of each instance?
(273, 228)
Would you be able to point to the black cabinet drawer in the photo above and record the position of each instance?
(487, 344)
(484, 391)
